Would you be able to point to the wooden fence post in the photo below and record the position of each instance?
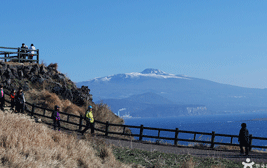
(176, 137)
(44, 113)
(37, 56)
(93, 128)
(68, 118)
(33, 106)
(158, 133)
(107, 125)
(250, 141)
(123, 132)
(212, 139)
(195, 136)
(5, 57)
(18, 55)
(141, 133)
(80, 123)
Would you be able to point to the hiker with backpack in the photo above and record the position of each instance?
(56, 118)
(89, 120)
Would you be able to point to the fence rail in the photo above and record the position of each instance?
(18, 54)
(107, 125)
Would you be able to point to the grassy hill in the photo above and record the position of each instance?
(24, 143)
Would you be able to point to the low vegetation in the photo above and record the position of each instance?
(157, 159)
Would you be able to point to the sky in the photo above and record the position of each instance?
(222, 41)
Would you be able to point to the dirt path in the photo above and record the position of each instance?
(256, 157)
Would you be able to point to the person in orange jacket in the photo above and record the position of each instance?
(12, 97)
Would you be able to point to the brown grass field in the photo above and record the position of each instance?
(24, 143)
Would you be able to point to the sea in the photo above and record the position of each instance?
(220, 123)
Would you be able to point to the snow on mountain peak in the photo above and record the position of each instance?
(150, 72)
(153, 71)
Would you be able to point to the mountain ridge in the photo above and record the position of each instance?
(181, 89)
(150, 104)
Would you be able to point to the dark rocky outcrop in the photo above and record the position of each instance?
(35, 76)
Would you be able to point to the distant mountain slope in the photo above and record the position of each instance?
(179, 89)
(152, 105)
(149, 98)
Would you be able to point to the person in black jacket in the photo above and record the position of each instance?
(243, 139)
(2, 97)
(56, 118)
(20, 101)
(23, 50)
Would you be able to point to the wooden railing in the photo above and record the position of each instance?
(107, 125)
(18, 54)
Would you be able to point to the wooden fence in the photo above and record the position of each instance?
(18, 54)
(107, 125)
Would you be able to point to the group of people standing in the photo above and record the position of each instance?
(17, 100)
(28, 51)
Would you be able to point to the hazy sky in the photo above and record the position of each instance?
(222, 41)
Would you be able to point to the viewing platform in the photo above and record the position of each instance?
(21, 55)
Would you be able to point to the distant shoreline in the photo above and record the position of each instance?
(258, 119)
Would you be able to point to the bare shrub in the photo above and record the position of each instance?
(53, 66)
(189, 163)
(48, 100)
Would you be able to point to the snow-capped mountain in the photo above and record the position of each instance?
(179, 89)
(150, 72)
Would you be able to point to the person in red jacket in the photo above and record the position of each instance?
(12, 97)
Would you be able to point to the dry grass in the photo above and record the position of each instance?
(227, 147)
(48, 100)
(53, 65)
(24, 143)
(103, 113)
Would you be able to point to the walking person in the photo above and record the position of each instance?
(2, 97)
(56, 118)
(20, 101)
(243, 139)
(89, 120)
(31, 52)
(12, 98)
